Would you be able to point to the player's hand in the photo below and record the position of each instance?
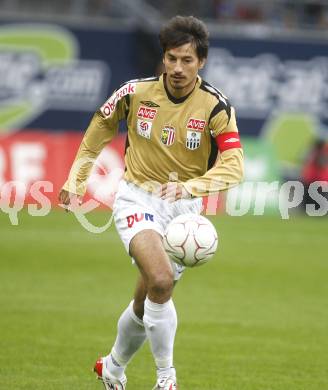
(173, 191)
(68, 199)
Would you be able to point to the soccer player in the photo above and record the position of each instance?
(182, 144)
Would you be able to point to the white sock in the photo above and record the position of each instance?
(160, 322)
(130, 337)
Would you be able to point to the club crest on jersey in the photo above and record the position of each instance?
(196, 124)
(144, 128)
(193, 139)
(146, 112)
(168, 135)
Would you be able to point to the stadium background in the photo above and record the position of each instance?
(255, 317)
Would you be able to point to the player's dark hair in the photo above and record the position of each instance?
(185, 29)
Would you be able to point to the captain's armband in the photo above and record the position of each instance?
(228, 141)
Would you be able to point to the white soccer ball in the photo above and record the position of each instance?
(190, 240)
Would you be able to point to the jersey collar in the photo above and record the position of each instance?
(183, 98)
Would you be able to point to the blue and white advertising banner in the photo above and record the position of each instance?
(265, 78)
(53, 77)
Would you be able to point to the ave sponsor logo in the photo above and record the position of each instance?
(196, 124)
(146, 113)
(144, 128)
(138, 217)
(109, 107)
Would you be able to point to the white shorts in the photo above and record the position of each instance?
(135, 210)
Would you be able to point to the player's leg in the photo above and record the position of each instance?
(130, 332)
(135, 213)
(130, 337)
(147, 249)
(160, 317)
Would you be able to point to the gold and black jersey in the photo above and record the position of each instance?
(168, 139)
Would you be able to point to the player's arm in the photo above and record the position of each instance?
(228, 170)
(101, 130)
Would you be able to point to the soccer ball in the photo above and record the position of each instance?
(190, 240)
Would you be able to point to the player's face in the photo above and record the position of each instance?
(182, 65)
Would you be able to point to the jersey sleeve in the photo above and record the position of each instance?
(228, 169)
(220, 117)
(101, 130)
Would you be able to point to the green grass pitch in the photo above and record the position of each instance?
(255, 318)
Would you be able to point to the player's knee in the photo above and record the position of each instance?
(162, 284)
